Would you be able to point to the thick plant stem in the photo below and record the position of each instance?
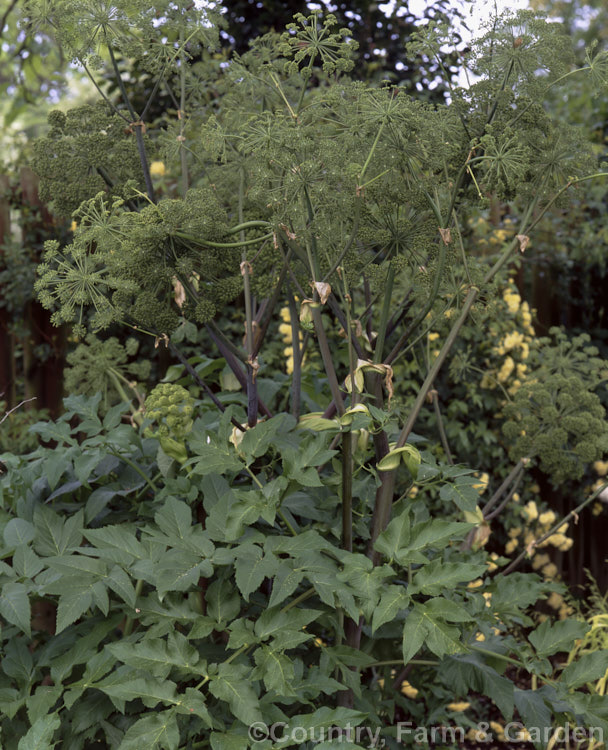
(347, 491)
(327, 360)
(440, 426)
(384, 315)
(296, 376)
(137, 125)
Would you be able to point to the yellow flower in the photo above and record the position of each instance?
(550, 570)
(521, 369)
(516, 497)
(525, 351)
(535, 489)
(73, 225)
(492, 566)
(408, 690)
(413, 492)
(523, 735)
(157, 169)
(601, 467)
(475, 584)
(539, 560)
(596, 509)
(475, 735)
(511, 546)
(482, 484)
(531, 511)
(487, 595)
(512, 299)
(515, 532)
(547, 518)
(513, 339)
(507, 368)
(498, 729)
(480, 637)
(458, 706)
(563, 528)
(433, 336)
(284, 313)
(555, 601)
(435, 353)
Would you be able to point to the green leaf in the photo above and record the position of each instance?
(216, 459)
(26, 562)
(440, 575)
(223, 601)
(18, 531)
(272, 621)
(56, 535)
(395, 537)
(152, 731)
(179, 571)
(275, 669)
(311, 724)
(553, 637)
(256, 441)
(158, 656)
(73, 604)
(117, 543)
(588, 668)
(392, 600)
(42, 701)
(192, 702)
(229, 741)
(15, 606)
(594, 711)
(120, 583)
(447, 609)
(39, 735)
(435, 533)
(532, 708)
(468, 672)
(86, 463)
(463, 494)
(441, 638)
(175, 518)
(252, 566)
(150, 690)
(286, 581)
(414, 633)
(233, 686)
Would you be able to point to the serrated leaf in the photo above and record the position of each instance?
(393, 599)
(85, 464)
(192, 703)
(26, 562)
(18, 531)
(150, 690)
(463, 494)
(468, 672)
(414, 633)
(216, 459)
(175, 518)
(272, 621)
(179, 571)
(39, 735)
(153, 731)
(252, 566)
(223, 601)
(55, 535)
(121, 538)
(552, 637)
(232, 686)
(286, 581)
(439, 575)
(441, 638)
(275, 669)
(587, 668)
(158, 656)
(121, 584)
(72, 605)
(15, 606)
(435, 533)
(229, 741)
(256, 442)
(395, 537)
(532, 708)
(447, 609)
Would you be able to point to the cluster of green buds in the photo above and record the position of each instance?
(170, 408)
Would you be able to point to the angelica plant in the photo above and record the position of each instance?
(299, 189)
